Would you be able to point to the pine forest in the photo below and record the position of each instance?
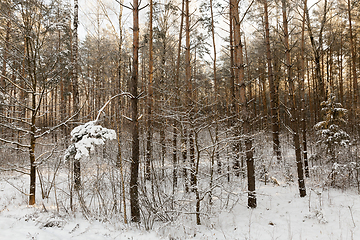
(179, 119)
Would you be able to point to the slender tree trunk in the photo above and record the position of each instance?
(192, 159)
(120, 72)
(318, 53)
(174, 156)
(31, 73)
(184, 157)
(163, 147)
(5, 59)
(196, 169)
(187, 53)
(189, 90)
(330, 75)
(245, 114)
(179, 47)
(252, 96)
(232, 73)
(249, 150)
(150, 97)
(274, 104)
(32, 147)
(32, 155)
(75, 88)
(162, 121)
(238, 74)
(176, 99)
(5, 55)
(233, 89)
(353, 61)
(263, 95)
(216, 87)
(294, 110)
(214, 49)
(134, 194)
(341, 84)
(119, 162)
(302, 92)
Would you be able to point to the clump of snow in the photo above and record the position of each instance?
(86, 136)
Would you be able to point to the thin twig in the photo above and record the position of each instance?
(17, 188)
(352, 217)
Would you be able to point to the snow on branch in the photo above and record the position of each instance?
(85, 137)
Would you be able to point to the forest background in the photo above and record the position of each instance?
(194, 92)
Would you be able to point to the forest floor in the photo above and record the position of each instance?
(325, 213)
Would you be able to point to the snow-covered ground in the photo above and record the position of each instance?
(281, 214)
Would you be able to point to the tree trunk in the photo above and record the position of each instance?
(196, 169)
(274, 98)
(5, 58)
(189, 90)
(216, 87)
(245, 114)
(238, 76)
(119, 162)
(32, 150)
(184, 157)
(318, 53)
(294, 110)
(263, 95)
(232, 73)
(176, 99)
(187, 54)
(174, 157)
(340, 61)
(302, 93)
(134, 194)
(75, 89)
(353, 61)
(5, 55)
(150, 97)
(31, 72)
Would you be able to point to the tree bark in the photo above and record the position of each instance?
(150, 97)
(274, 98)
(302, 93)
(134, 193)
(318, 53)
(75, 89)
(353, 61)
(5, 55)
(245, 114)
(294, 110)
(31, 73)
(232, 73)
(340, 61)
(189, 92)
(5, 59)
(32, 148)
(216, 87)
(238, 77)
(119, 162)
(176, 99)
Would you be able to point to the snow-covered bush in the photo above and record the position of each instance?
(330, 135)
(100, 179)
(343, 175)
(85, 137)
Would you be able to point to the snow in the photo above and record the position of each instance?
(325, 213)
(86, 136)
